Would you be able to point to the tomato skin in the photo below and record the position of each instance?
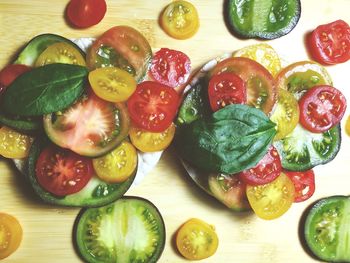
(62, 172)
(330, 43)
(321, 108)
(86, 13)
(302, 180)
(267, 170)
(153, 106)
(10, 73)
(11, 234)
(170, 67)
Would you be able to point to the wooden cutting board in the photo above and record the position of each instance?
(243, 237)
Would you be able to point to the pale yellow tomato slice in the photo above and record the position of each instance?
(180, 20)
(14, 144)
(196, 239)
(147, 141)
(272, 200)
(10, 235)
(118, 165)
(263, 54)
(112, 84)
(60, 52)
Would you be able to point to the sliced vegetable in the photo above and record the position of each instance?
(321, 108)
(330, 43)
(26, 125)
(10, 235)
(327, 229)
(118, 165)
(180, 19)
(128, 230)
(14, 144)
(112, 84)
(304, 184)
(122, 47)
(196, 239)
(153, 106)
(272, 200)
(86, 13)
(170, 67)
(10, 73)
(91, 127)
(45, 90)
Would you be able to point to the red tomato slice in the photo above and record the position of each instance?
(62, 172)
(153, 106)
(86, 13)
(330, 43)
(321, 108)
(170, 67)
(267, 170)
(10, 73)
(304, 183)
(226, 88)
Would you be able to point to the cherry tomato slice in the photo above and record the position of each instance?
(86, 13)
(170, 67)
(267, 170)
(321, 108)
(304, 184)
(62, 172)
(196, 239)
(10, 73)
(330, 43)
(10, 235)
(153, 106)
(226, 88)
(14, 144)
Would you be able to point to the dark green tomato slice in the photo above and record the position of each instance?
(266, 19)
(27, 125)
(91, 127)
(327, 229)
(95, 193)
(37, 45)
(298, 77)
(301, 150)
(128, 230)
(122, 47)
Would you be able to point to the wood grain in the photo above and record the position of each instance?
(243, 237)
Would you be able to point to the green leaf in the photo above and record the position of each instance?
(45, 90)
(233, 139)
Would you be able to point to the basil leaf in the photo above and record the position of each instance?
(233, 139)
(45, 90)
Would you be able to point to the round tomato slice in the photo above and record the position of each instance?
(196, 239)
(118, 165)
(122, 47)
(224, 89)
(261, 92)
(170, 67)
(10, 235)
(330, 43)
(267, 169)
(272, 200)
(180, 20)
(86, 13)
(147, 141)
(304, 184)
(321, 108)
(10, 73)
(112, 84)
(153, 106)
(14, 144)
(62, 172)
(90, 127)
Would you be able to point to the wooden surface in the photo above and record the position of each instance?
(243, 238)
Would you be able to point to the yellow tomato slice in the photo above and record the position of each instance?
(60, 52)
(112, 84)
(14, 144)
(10, 235)
(147, 141)
(180, 20)
(270, 201)
(196, 239)
(286, 114)
(263, 54)
(118, 165)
